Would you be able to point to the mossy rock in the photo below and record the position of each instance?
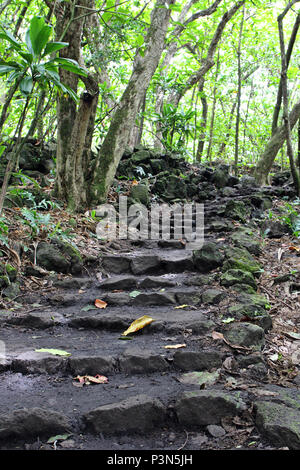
(240, 258)
(140, 194)
(237, 210)
(242, 240)
(59, 257)
(243, 288)
(253, 313)
(246, 335)
(237, 276)
(209, 257)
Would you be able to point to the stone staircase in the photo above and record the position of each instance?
(212, 377)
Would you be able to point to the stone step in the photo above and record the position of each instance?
(148, 263)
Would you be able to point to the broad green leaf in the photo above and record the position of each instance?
(6, 69)
(9, 37)
(26, 86)
(70, 65)
(54, 47)
(39, 33)
(55, 352)
(27, 56)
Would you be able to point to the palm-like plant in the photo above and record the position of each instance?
(34, 65)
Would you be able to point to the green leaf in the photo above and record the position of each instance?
(26, 86)
(70, 65)
(27, 56)
(9, 37)
(55, 352)
(88, 307)
(6, 68)
(39, 33)
(59, 437)
(54, 47)
(140, 40)
(134, 293)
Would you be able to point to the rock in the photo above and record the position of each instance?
(151, 282)
(208, 258)
(188, 298)
(278, 423)
(63, 260)
(140, 194)
(138, 413)
(141, 156)
(178, 263)
(237, 276)
(200, 378)
(240, 258)
(155, 298)
(39, 320)
(32, 362)
(247, 181)
(252, 311)
(92, 365)
(145, 264)
(193, 361)
(243, 288)
(137, 361)
(205, 407)
(274, 229)
(243, 240)
(246, 335)
(216, 431)
(33, 422)
(220, 176)
(236, 210)
(116, 264)
(12, 291)
(73, 283)
(213, 296)
(118, 283)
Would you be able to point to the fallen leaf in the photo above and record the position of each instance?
(138, 324)
(175, 346)
(228, 320)
(55, 352)
(88, 307)
(293, 335)
(88, 379)
(134, 293)
(294, 248)
(100, 303)
(59, 437)
(182, 306)
(217, 335)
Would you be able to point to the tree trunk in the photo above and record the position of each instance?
(203, 124)
(285, 99)
(74, 126)
(122, 121)
(266, 161)
(239, 96)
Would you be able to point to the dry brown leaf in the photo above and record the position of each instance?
(217, 335)
(100, 303)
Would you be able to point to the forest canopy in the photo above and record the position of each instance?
(210, 80)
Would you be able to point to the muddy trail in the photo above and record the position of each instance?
(201, 375)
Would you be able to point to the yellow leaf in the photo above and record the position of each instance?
(182, 306)
(138, 324)
(175, 346)
(100, 303)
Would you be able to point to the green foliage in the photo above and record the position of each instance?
(176, 126)
(31, 63)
